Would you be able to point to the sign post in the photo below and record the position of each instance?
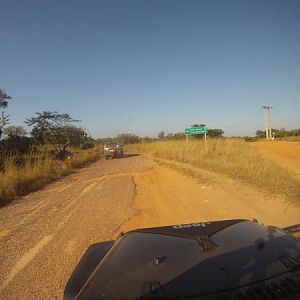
(194, 131)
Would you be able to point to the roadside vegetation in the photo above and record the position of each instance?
(280, 133)
(53, 148)
(21, 175)
(233, 157)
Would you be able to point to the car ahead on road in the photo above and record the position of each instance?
(222, 260)
(113, 150)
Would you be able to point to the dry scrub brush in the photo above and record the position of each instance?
(35, 170)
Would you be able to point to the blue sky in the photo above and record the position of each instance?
(145, 66)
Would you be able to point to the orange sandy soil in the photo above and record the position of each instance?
(285, 153)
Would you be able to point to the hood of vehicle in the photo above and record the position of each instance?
(191, 259)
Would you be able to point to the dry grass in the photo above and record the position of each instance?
(38, 169)
(289, 139)
(234, 158)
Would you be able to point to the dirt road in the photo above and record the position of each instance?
(43, 235)
(285, 153)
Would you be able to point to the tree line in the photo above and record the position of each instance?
(279, 133)
(126, 138)
(212, 133)
(47, 127)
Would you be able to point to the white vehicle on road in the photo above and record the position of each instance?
(113, 150)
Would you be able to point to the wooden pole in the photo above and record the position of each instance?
(187, 139)
(205, 141)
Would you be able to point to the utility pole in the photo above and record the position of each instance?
(129, 130)
(267, 116)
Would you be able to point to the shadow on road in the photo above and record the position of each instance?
(129, 155)
(5, 202)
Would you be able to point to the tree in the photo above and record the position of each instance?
(170, 136)
(104, 140)
(211, 132)
(14, 131)
(198, 125)
(4, 118)
(52, 127)
(76, 135)
(15, 144)
(260, 134)
(126, 138)
(161, 135)
(215, 133)
(198, 136)
(4, 99)
(179, 136)
(15, 141)
(88, 143)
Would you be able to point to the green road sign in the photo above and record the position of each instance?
(196, 130)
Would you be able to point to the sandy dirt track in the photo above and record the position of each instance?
(43, 235)
(285, 153)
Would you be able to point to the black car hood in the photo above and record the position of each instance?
(190, 260)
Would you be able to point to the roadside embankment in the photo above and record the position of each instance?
(234, 158)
